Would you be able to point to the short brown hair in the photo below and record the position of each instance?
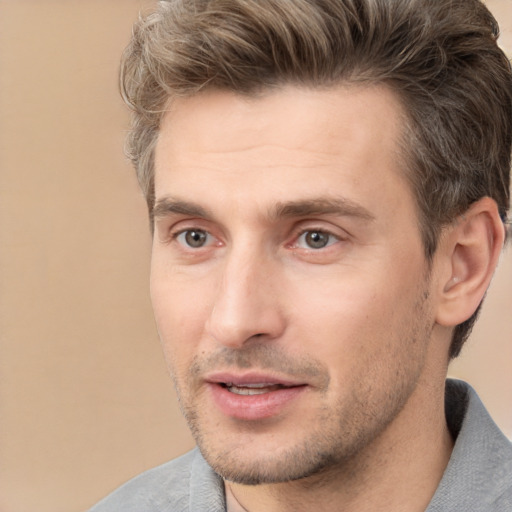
(439, 56)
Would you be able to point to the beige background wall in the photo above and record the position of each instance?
(85, 402)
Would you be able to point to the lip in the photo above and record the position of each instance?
(240, 379)
(254, 407)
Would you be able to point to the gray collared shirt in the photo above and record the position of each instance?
(478, 477)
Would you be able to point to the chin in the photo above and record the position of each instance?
(295, 464)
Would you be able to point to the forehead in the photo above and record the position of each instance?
(282, 144)
(341, 112)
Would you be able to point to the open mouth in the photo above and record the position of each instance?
(252, 389)
(253, 397)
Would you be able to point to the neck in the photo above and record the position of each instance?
(399, 471)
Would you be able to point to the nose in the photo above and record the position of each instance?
(247, 301)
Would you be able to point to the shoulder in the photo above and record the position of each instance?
(166, 488)
(489, 457)
(479, 474)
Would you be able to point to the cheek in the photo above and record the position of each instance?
(353, 315)
(180, 312)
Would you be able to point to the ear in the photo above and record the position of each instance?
(468, 254)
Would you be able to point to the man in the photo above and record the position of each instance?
(328, 187)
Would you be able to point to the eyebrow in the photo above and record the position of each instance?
(300, 208)
(168, 205)
(321, 206)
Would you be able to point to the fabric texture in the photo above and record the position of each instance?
(478, 477)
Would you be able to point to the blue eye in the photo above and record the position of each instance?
(315, 239)
(193, 238)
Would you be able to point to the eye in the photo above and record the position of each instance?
(315, 239)
(194, 238)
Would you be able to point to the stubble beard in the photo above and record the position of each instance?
(342, 435)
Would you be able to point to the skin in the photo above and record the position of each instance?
(245, 188)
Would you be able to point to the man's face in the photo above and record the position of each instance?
(288, 279)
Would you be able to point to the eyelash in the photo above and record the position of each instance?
(331, 238)
(178, 234)
(296, 244)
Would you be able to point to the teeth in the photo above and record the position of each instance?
(256, 386)
(252, 389)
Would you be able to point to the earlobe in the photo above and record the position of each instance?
(470, 250)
